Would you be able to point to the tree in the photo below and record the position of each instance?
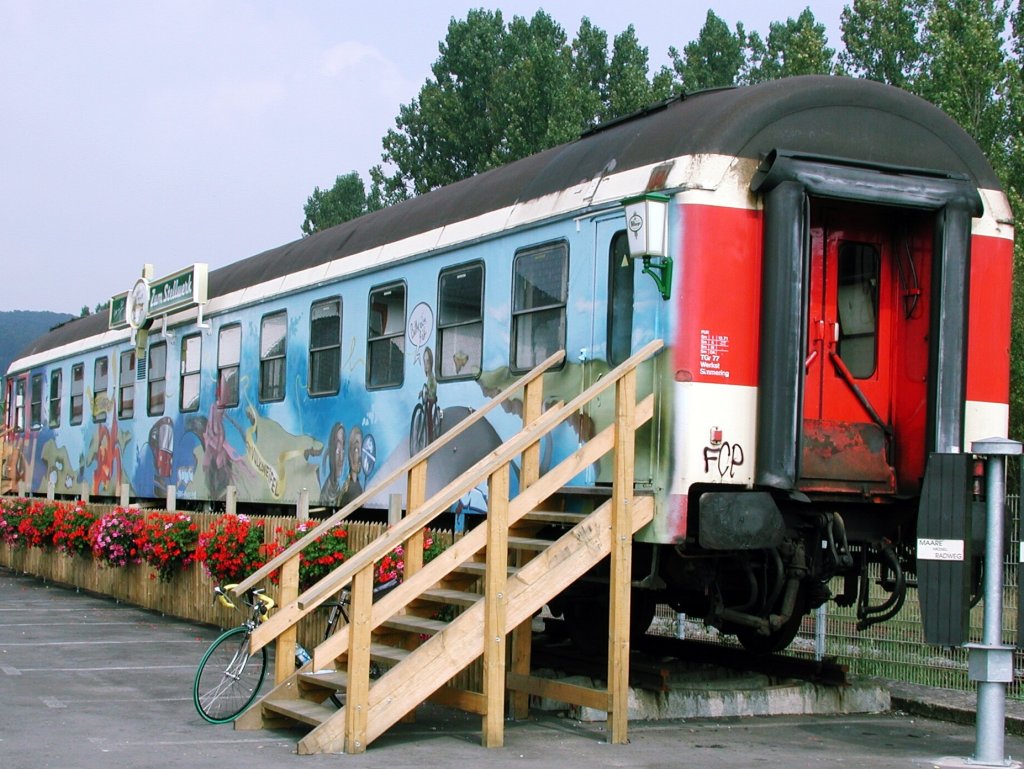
(344, 201)
(715, 59)
(797, 47)
(882, 40)
(628, 88)
(967, 69)
(499, 93)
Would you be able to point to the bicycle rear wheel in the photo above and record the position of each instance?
(229, 678)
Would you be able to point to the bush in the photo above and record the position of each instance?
(232, 548)
(115, 537)
(71, 526)
(168, 542)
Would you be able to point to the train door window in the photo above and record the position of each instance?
(325, 347)
(56, 382)
(229, 353)
(273, 333)
(126, 385)
(385, 337)
(100, 382)
(191, 366)
(19, 405)
(157, 375)
(620, 299)
(460, 322)
(857, 297)
(540, 280)
(77, 393)
(37, 401)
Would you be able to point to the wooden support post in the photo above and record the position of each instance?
(357, 693)
(51, 490)
(495, 609)
(302, 508)
(85, 492)
(621, 559)
(231, 500)
(522, 636)
(284, 655)
(125, 495)
(22, 489)
(394, 509)
(172, 498)
(416, 497)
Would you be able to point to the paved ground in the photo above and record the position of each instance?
(87, 683)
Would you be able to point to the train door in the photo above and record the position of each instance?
(624, 297)
(866, 330)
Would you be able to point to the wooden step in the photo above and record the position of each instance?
(450, 597)
(328, 679)
(305, 711)
(385, 653)
(529, 543)
(479, 568)
(555, 516)
(410, 623)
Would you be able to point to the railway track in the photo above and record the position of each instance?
(658, 661)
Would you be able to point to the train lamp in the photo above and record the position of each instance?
(647, 227)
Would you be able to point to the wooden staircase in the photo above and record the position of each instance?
(465, 603)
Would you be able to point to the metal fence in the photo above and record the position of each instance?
(895, 649)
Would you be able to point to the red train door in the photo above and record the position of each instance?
(856, 326)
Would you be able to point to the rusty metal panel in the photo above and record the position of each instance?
(846, 452)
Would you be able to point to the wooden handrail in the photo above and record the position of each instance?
(328, 523)
(443, 499)
(469, 479)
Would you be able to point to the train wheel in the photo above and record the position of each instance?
(778, 639)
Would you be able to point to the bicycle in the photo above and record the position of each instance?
(338, 610)
(229, 677)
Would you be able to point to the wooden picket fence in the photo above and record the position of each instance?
(189, 594)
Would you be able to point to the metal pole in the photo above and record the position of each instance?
(990, 663)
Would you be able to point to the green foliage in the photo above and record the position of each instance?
(346, 200)
(796, 47)
(715, 59)
(501, 92)
(883, 40)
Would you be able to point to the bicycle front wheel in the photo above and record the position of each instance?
(229, 678)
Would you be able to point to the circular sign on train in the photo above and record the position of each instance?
(421, 324)
(138, 303)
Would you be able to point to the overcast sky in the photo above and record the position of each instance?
(194, 131)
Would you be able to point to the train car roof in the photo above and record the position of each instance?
(838, 117)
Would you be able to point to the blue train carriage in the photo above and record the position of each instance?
(827, 259)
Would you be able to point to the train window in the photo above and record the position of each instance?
(126, 385)
(77, 392)
(157, 374)
(857, 298)
(56, 381)
(273, 333)
(620, 299)
(191, 365)
(325, 347)
(229, 353)
(460, 322)
(37, 401)
(385, 337)
(19, 405)
(100, 382)
(540, 279)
